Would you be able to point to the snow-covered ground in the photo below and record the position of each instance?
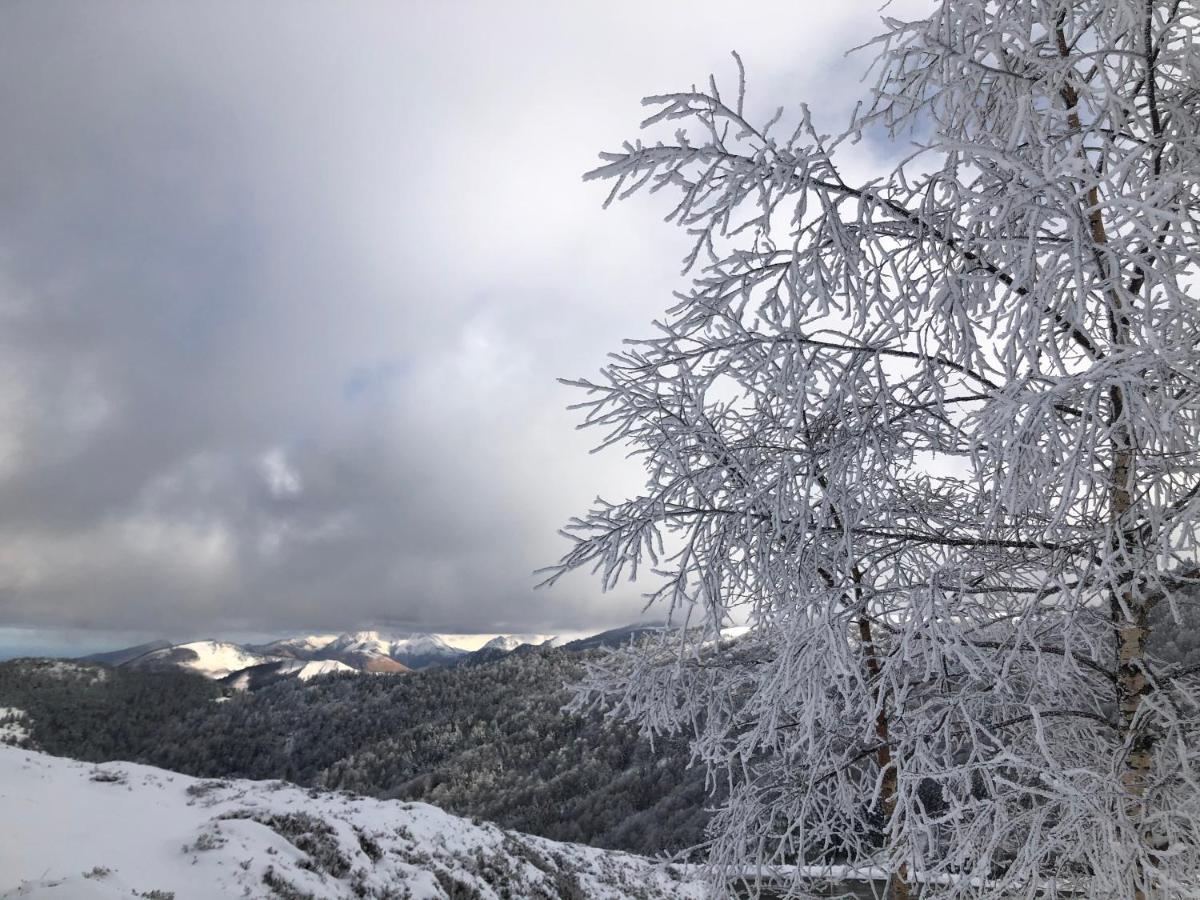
(76, 831)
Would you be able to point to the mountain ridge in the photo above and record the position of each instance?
(213, 659)
(371, 651)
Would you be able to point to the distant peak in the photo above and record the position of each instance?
(364, 635)
(510, 642)
(503, 642)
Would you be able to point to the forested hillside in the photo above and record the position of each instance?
(488, 740)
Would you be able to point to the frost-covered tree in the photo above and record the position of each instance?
(934, 438)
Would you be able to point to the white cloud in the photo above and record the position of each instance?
(281, 478)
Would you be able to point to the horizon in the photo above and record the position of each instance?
(38, 643)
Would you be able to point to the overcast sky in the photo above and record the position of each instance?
(285, 288)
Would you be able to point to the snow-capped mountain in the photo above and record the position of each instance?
(420, 650)
(366, 655)
(302, 647)
(510, 642)
(416, 651)
(358, 641)
(76, 831)
(215, 659)
(505, 642)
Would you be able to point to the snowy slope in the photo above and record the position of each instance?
(315, 667)
(255, 677)
(215, 659)
(79, 832)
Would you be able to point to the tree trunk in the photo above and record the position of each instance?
(898, 887)
(1129, 612)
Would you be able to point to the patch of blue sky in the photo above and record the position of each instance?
(364, 382)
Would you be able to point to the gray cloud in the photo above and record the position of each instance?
(284, 289)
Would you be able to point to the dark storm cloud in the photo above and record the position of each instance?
(284, 290)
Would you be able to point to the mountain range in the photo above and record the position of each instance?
(250, 666)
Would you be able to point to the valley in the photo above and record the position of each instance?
(485, 737)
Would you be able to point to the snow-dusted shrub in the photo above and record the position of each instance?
(314, 836)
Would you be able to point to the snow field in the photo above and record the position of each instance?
(75, 830)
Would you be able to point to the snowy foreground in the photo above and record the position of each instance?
(77, 831)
